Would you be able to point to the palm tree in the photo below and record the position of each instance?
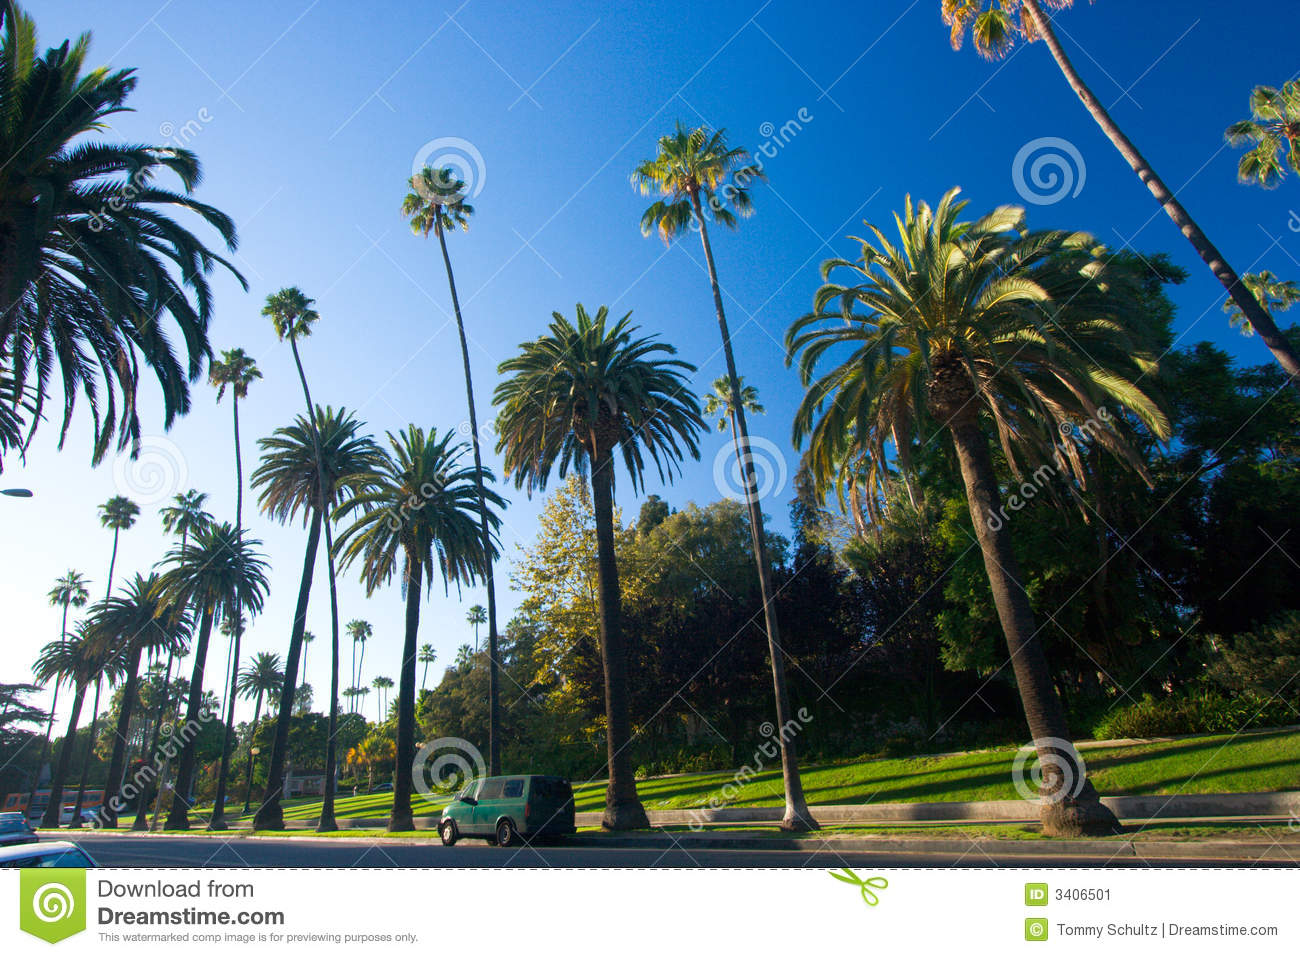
(427, 657)
(995, 28)
(138, 620)
(374, 748)
(361, 632)
(232, 626)
(1276, 295)
(437, 202)
(220, 574)
(476, 616)
(68, 590)
(307, 638)
(304, 468)
(1273, 134)
(91, 260)
(966, 328)
(185, 515)
(77, 661)
(118, 513)
(419, 509)
(352, 694)
(382, 685)
(575, 396)
(236, 371)
(695, 168)
(720, 401)
(261, 679)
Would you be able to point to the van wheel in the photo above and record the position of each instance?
(447, 831)
(506, 833)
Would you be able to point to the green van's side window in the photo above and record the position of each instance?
(491, 790)
(515, 788)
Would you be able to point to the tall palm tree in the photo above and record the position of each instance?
(1273, 134)
(720, 401)
(236, 371)
(185, 515)
(360, 631)
(427, 657)
(118, 513)
(962, 329)
(220, 574)
(232, 626)
(418, 510)
(70, 590)
(138, 620)
(382, 684)
(695, 168)
(575, 396)
(307, 638)
(91, 260)
(261, 679)
(476, 616)
(437, 202)
(305, 467)
(77, 661)
(995, 28)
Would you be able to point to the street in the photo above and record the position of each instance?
(120, 850)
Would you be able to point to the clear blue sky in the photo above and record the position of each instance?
(308, 117)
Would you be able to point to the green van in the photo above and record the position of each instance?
(506, 810)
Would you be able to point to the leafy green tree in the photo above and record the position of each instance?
(996, 27)
(220, 573)
(305, 467)
(418, 510)
(91, 259)
(1272, 133)
(575, 397)
(437, 202)
(695, 168)
(966, 328)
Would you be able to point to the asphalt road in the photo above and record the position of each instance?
(116, 850)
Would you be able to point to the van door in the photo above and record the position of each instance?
(490, 795)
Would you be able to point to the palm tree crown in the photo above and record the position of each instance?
(583, 389)
(288, 476)
(720, 401)
(91, 251)
(235, 370)
(70, 590)
(1273, 134)
(695, 168)
(118, 513)
(186, 513)
(291, 313)
(264, 676)
(436, 201)
(221, 573)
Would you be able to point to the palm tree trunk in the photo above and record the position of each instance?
(55, 805)
(1257, 315)
(327, 822)
(353, 682)
(400, 818)
(796, 817)
(117, 763)
(1069, 804)
(623, 810)
(270, 816)
(86, 757)
(248, 771)
(178, 818)
(49, 740)
(141, 822)
(494, 693)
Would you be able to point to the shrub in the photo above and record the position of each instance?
(1197, 711)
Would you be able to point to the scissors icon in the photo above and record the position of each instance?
(865, 885)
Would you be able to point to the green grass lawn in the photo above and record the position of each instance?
(1202, 765)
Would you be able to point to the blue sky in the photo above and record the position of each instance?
(308, 117)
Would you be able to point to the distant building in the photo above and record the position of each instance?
(305, 783)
